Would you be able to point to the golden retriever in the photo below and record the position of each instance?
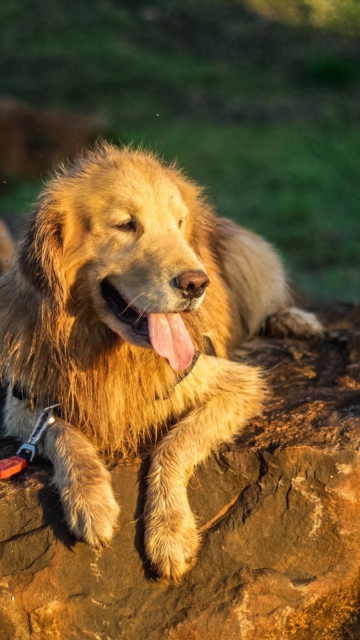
(6, 248)
(124, 302)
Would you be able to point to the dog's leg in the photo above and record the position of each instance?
(293, 322)
(230, 394)
(82, 480)
(257, 280)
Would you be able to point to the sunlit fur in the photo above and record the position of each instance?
(6, 248)
(61, 343)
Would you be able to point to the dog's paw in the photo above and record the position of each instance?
(171, 542)
(91, 512)
(294, 322)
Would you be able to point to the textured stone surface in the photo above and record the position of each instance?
(280, 513)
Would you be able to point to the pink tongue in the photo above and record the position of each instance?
(170, 339)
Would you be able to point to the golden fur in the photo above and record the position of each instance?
(126, 214)
(6, 248)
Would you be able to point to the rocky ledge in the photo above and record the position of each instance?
(279, 510)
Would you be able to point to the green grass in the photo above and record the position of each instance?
(184, 57)
(295, 185)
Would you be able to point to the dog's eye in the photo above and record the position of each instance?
(181, 222)
(127, 225)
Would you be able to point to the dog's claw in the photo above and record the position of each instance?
(172, 551)
(94, 517)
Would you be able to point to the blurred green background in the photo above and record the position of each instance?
(257, 100)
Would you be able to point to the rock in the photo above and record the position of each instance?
(32, 140)
(279, 510)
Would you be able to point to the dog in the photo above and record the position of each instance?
(125, 301)
(6, 248)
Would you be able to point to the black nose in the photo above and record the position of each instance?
(192, 283)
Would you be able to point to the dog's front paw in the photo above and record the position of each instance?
(91, 510)
(172, 542)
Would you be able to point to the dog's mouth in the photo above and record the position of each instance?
(166, 332)
(124, 311)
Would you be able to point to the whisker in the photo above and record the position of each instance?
(142, 313)
(132, 302)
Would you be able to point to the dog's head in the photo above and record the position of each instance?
(120, 228)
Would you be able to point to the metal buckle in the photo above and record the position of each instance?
(45, 420)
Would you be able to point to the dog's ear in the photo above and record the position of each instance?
(41, 254)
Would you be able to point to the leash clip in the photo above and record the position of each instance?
(45, 420)
(27, 452)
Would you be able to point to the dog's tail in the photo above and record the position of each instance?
(7, 248)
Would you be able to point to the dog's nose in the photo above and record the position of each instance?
(192, 283)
